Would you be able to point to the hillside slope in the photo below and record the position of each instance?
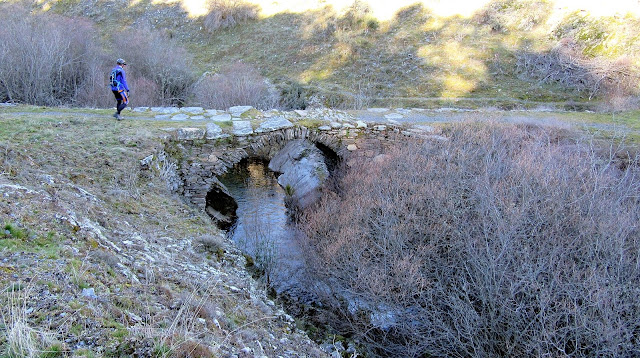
(99, 259)
(497, 53)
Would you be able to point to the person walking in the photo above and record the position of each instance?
(119, 87)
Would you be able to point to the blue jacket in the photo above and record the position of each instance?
(121, 79)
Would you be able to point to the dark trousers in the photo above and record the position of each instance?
(122, 98)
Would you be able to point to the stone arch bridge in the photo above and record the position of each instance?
(301, 150)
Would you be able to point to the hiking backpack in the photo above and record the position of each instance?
(113, 78)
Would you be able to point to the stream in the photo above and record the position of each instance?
(263, 229)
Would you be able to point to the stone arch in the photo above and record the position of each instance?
(202, 161)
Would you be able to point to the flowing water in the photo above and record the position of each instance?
(263, 229)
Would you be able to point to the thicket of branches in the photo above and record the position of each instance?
(237, 85)
(159, 63)
(597, 76)
(503, 241)
(49, 59)
(43, 62)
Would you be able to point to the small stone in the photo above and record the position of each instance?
(190, 133)
(273, 124)
(89, 293)
(214, 131)
(242, 128)
(238, 111)
(352, 147)
(192, 110)
(180, 117)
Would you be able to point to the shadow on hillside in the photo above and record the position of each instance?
(351, 61)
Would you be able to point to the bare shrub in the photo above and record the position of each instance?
(566, 66)
(94, 91)
(510, 15)
(228, 13)
(237, 85)
(145, 92)
(155, 56)
(502, 241)
(41, 61)
(210, 243)
(358, 16)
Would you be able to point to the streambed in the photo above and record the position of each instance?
(263, 229)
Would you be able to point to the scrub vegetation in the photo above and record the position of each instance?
(512, 53)
(502, 241)
(489, 240)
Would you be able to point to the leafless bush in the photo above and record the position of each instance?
(94, 91)
(565, 65)
(145, 92)
(155, 56)
(41, 61)
(210, 243)
(502, 241)
(509, 15)
(237, 85)
(228, 13)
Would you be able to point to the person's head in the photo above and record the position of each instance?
(121, 62)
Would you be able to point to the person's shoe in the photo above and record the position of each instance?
(116, 115)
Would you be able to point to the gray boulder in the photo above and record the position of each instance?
(303, 170)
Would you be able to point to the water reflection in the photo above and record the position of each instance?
(263, 230)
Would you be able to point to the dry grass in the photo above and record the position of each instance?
(228, 13)
(18, 338)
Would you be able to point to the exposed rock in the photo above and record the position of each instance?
(242, 128)
(214, 131)
(378, 110)
(180, 117)
(273, 124)
(165, 110)
(224, 117)
(238, 111)
(303, 170)
(220, 205)
(192, 110)
(190, 133)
